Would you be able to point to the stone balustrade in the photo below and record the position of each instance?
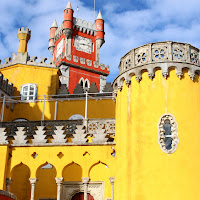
(161, 55)
(68, 132)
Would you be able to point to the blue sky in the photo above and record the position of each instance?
(128, 24)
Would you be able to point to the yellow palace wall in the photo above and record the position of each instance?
(98, 164)
(147, 172)
(17, 163)
(47, 80)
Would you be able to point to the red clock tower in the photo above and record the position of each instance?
(75, 47)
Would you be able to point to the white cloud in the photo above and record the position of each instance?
(177, 20)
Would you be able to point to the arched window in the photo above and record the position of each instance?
(168, 133)
(87, 84)
(84, 83)
(80, 196)
(76, 117)
(81, 83)
(28, 91)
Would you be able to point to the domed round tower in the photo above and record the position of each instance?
(157, 122)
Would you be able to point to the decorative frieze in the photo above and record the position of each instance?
(162, 55)
(32, 134)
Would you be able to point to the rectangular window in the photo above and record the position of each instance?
(28, 91)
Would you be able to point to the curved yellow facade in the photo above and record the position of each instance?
(147, 172)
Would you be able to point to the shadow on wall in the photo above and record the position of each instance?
(72, 172)
(46, 184)
(20, 186)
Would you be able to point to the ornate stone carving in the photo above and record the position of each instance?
(20, 138)
(162, 137)
(89, 63)
(69, 57)
(179, 52)
(82, 61)
(75, 58)
(59, 137)
(158, 55)
(96, 64)
(102, 129)
(3, 136)
(194, 56)
(102, 66)
(95, 188)
(80, 136)
(39, 137)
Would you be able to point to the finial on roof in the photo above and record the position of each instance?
(99, 15)
(69, 5)
(54, 24)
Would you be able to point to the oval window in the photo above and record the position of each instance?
(168, 133)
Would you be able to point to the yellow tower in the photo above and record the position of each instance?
(157, 123)
(24, 36)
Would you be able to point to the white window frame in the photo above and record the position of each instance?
(28, 96)
(174, 133)
(88, 84)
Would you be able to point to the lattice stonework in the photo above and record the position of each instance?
(128, 62)
(179, 52)
(141, 56)
(194, 56)
(173, 136)
(159, 52)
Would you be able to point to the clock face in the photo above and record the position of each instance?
(83, 44)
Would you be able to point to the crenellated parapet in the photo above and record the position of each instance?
(81, 25)
(85, 27)
(24, 30)
(50, 133)
(5, 86)
(153, 56)
(24, 58)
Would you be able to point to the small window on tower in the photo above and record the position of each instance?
(168, 133)
(92, 47)
(73, 41)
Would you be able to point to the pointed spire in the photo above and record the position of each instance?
(69, 6)
(54, 24)
(99, 15)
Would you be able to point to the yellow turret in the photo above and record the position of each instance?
(24, 36)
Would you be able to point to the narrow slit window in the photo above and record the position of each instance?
(168, 135)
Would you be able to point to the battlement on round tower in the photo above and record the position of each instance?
(23, 30)
(160, 55)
